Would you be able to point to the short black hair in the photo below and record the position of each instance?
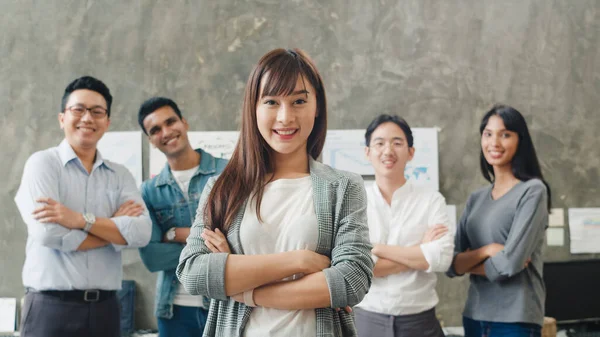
(384, 118)
(88, 83)
(153, 104)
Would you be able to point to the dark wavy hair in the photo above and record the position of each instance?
(525, 164)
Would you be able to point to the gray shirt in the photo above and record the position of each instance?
(510, 292)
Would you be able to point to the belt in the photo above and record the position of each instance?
(82, 296)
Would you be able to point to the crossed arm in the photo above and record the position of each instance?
(338, 283)
(394, 259)
(103, 232)
(58, 227)
(241, 275)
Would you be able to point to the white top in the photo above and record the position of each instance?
(412, 212)
(183, 178)
(289, 223)
(182, 297)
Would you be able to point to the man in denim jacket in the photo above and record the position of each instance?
(172, 199)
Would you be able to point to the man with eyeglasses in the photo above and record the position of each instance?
(172, 198)
(80, 210)
(412, 239)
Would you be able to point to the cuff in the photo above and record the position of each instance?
(216, 277)
(72, 240)
(431, 252)
(451, 272)
(491, 272)
(337, 287)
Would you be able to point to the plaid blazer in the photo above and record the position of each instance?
(340, 205)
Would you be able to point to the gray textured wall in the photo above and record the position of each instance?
(436, 63)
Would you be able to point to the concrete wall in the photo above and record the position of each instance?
(437, 63)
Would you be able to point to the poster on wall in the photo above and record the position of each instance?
(584, 228)
(345, 150)
(124, 148)
(220, 144)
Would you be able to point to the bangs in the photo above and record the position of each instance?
(281, 77)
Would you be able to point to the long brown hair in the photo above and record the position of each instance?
(245, 174)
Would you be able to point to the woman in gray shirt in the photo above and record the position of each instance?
(501, 232)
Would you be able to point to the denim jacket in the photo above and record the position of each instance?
(169, 208)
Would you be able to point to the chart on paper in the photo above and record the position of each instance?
(584, 228)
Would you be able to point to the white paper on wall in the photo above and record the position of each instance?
(124, 148)
(584, 230)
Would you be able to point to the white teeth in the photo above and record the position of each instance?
(285, 133)
(170, 140)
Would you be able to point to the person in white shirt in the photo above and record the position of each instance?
(411, 235)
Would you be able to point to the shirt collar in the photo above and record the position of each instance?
(398, 194)
(67, 154)
(208, 165)
(403, 191)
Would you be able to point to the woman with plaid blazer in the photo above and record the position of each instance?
(279, 261)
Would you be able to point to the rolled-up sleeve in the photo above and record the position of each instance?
(351, 271)
(135, 230)
(439, 253)
(527, 229)
(158, 255)
(200, 271)
(41, 179)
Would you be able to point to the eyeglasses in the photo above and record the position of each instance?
(97, 112)
(380, 145)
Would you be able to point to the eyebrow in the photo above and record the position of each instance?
(298, 92)
(393, 138)
(157, 127)
(92, 107)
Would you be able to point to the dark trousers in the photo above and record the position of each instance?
(372, 324)
(474, 328)
(45, 315)
(186, 322)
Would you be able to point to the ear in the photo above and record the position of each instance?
(61, 122)
(367, 151)
(187, 126)
(411, 153)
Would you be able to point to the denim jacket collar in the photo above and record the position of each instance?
(207, 166)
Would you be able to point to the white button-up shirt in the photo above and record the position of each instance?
(412, 212)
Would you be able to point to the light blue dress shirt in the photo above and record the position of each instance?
(52, 261)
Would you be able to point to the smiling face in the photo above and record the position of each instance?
(498, 144)
(83, 132)
(285, 122)
(166, 131)
(389, 152)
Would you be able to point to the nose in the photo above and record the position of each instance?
(87, 115)
(387, 148)
(284, 114)
(495, 140)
